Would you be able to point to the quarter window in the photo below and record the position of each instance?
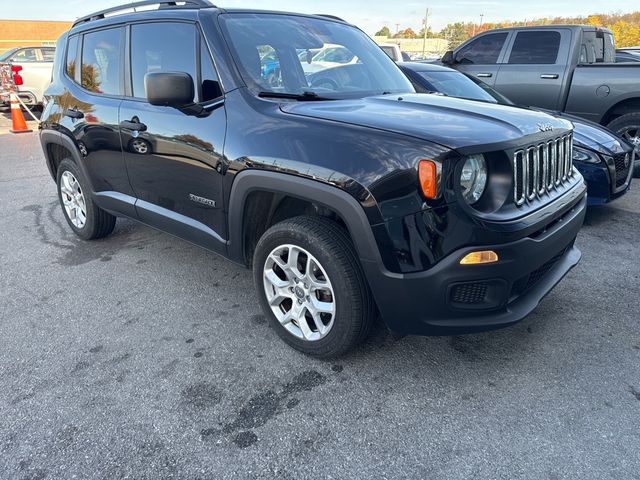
(161, 47)
(210, 84)
(484, 50)
(540, 48)
(101, 61)
(72, 55)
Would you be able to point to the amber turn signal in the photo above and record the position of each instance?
(476, 258)
(428, 177)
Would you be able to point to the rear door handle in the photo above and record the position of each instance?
(549, 76)
(134, 125)
(73, 113)
(485, 75)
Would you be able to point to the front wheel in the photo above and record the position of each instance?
(311, 286)
(628, 127)
(85, 218)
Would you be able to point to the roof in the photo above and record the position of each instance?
(425, 67)
(588, 28)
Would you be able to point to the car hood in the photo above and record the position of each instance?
(451, 122)
(594, 137)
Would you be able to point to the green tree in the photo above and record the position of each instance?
(383, 32)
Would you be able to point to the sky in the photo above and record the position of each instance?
(370, 15)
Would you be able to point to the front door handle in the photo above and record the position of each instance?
(549, 76)
(485, 75)
(73, 113)
(133, 124)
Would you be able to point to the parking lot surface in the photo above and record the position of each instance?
(142, 356)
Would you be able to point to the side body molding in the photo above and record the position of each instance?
(347, 207)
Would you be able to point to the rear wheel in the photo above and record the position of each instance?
(311, 286)
(85, 218)
(628, 127)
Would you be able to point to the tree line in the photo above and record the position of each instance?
(625, 28)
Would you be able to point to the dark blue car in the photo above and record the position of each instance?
(604, 160)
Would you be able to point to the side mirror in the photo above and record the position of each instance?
(448, 58)
(169, 89)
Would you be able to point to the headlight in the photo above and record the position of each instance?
(473, 178)
(583, 155)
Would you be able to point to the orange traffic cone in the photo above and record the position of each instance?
(18, 125)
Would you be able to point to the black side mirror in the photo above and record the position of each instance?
(169, 89)
(448, 58)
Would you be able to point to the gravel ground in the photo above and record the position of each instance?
(141, 356)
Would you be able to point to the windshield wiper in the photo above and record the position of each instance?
(304, 96)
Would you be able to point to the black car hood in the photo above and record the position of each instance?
(450, 122)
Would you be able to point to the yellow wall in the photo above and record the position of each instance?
(23, 33)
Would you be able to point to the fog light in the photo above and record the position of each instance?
(476, 258)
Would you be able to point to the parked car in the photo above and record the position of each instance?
(347, 201)
(28, 69)
(623, 56)
(565, 68)
(394, 52)
(603, 159)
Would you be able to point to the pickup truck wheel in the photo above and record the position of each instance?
(85, 218)
(628, 127)
(311, 286)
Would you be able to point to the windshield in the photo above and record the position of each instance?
(7, 54)
(288, 54)
(455, 84)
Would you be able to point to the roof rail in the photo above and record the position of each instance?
(332, 17)
(161, 5)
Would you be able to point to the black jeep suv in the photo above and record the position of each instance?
(293, 144)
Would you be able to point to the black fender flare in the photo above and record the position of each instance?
(48, 137)
(345, 205)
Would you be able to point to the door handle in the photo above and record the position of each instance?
(73, 113)
(134, 125)
(549, 76)
(485, 75)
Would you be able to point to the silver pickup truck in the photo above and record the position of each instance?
(565, 68)
(33, 77)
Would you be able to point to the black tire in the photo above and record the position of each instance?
(330, 244)
(98, 223)
(622, 125)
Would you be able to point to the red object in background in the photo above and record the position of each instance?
(15, 71)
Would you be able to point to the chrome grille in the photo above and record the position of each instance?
(541, 168)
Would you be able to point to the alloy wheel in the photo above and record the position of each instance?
(299, 292)
(73, 199)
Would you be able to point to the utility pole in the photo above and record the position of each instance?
(424, 38)
(481, 22)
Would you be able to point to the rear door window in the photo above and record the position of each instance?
(102, 61)
(538, 48)
(484, 50)
(72, 56)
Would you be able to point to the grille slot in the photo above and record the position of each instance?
(622, 171)
(469, 293)
(540, 168)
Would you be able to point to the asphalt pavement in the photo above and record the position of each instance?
(141, 356)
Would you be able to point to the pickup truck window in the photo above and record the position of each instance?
(25, 55)
(48, 54)
(537, 48)
(484, 50)
(275, 54)
(101, 61)
(161, 47)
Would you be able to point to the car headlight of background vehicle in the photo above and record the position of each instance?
(584, 155)
(473, 178)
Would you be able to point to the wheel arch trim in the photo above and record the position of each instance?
(48, 137)
(345, 205)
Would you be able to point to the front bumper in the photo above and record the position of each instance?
(450, 298)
